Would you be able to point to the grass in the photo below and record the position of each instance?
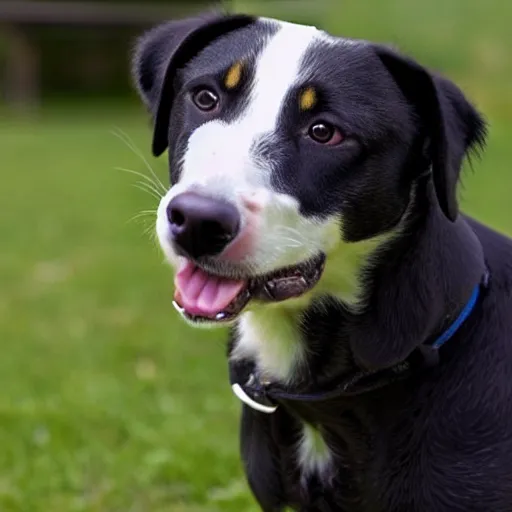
(108, 403)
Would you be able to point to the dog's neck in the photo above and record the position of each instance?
(417, 287)
(271, 334)
(396, 293)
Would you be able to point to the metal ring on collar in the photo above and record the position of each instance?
(246, 399)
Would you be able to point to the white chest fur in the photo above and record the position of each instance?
(271, 337)
(313, 453)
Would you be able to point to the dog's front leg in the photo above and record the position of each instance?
(261, 458)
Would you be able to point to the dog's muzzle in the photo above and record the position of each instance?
(201, 225)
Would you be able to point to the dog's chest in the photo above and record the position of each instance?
(291, 344)
(336, 457)
(320, 469)
(273, 340)
(350, 460)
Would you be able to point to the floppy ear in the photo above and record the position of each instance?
(161, 52)
(452, 125)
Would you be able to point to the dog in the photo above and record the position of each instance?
(313, 210)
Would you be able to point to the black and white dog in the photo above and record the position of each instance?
(313, 208)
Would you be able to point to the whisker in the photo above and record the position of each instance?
(289, 239)
(293, 244)
(142, 218)
(149, 211)
(154, 238)
(140, 174)
(150, 192)
(124, 137)
(288, 228)
(143, 213)
(284, 246)
(150, 187)
(292, 231)
(151, 233)
(149, 229)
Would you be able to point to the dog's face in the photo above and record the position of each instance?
(287, 148)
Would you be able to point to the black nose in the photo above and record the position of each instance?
(201, 225)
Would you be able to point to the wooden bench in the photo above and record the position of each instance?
(19, 18)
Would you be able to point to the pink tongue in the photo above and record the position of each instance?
(201, 294)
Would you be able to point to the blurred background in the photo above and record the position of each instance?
(107, 401)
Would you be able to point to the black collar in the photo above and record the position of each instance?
(265, 396)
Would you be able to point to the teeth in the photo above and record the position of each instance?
(286, 287)
(219, 316)
(178, 308)
(282, 285)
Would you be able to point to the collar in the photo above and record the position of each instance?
(264, 396)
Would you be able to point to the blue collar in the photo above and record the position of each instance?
(463, 315)
(264, 397)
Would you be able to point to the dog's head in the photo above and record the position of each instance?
(286, 144)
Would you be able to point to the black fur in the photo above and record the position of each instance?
(163, 53)
(442, 440)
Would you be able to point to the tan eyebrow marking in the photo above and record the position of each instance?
(307, 98)
(234, 75)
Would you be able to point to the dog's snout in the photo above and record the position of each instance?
(201, 225)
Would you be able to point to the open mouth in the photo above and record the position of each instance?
(204, 297)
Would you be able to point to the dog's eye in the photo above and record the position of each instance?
(205, 99)
(325, 133)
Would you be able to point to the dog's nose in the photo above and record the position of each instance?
(201, 225)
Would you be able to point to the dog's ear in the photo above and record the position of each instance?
(162, 51)
(452, 125)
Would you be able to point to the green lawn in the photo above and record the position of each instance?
(107, 401)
